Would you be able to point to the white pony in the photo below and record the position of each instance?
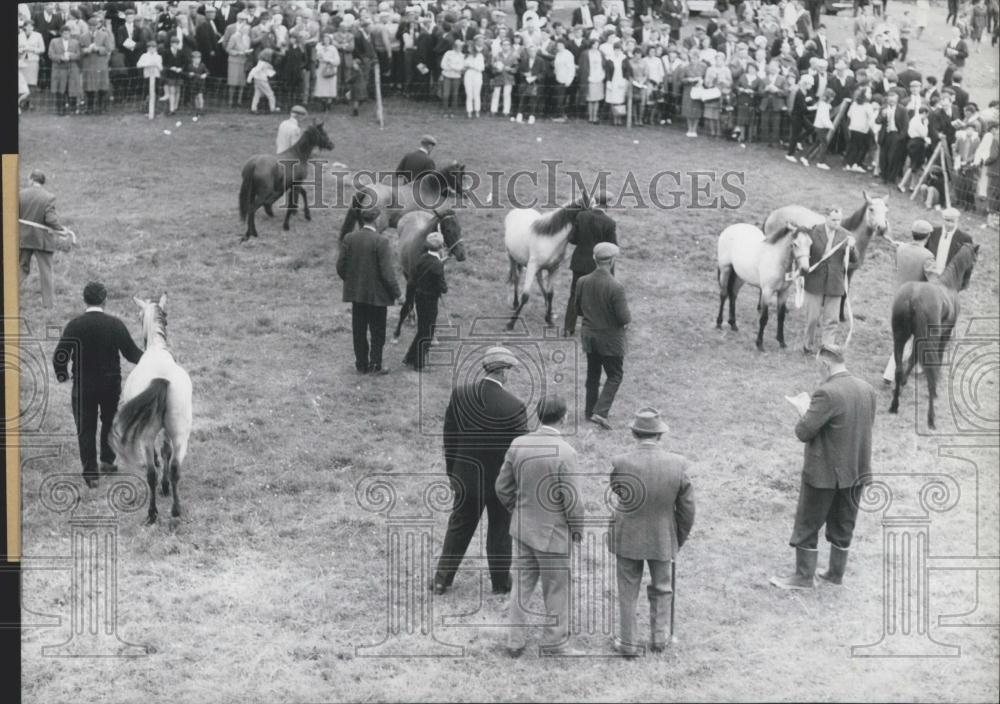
(536, 244)
(156, 398)
(746, 255)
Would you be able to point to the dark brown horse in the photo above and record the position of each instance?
(927, 311)
(265, 178)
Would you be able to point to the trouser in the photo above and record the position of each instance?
(822, 312)
(952, 12)
(473, 91)
(527, 103)
(770, 126)
(892, 155)
(409, 69)
(96, 397)
(559, 99)
(857, 147)
(45, 276)
(367, 319)
(552, 570)
(262, 88)
(427, 312)
(659, 593)
(96, 101)
(600, 405)
(450, 88)
(817, 152)
(837, 508)
(904, 48)
(890, 368)
(474, 490)
(495, 100)
(798, 125)
(569, 323)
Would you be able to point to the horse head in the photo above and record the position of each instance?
(801, 244)
(450, 228)
(318, 136)
(153, 316)
(877, 213)
(454, 179)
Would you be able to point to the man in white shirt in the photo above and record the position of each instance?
(289, 131)
(565, 70)
(945, 241)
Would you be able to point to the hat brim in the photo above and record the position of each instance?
(660, 427)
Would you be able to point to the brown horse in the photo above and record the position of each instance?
(927, 311)
(265, 178)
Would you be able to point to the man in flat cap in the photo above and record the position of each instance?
(418, 162)
(40, 239)
(944, 242)
(653, 519)
(365, 264)
(429, 285)
(91, 343)
(914, 262)
(289, 130)
(824, 285)
(537, 483)
(591, 227)
(836, 426)
(600, 300)
(481, 421)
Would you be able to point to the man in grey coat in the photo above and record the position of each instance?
(836, 426)
(41, 240)
(537, 485)
(653, 519)
(600, 301)
(370, 286)
(914, 262)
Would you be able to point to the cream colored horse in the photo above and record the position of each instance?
(156, 399)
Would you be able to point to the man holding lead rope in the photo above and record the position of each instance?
(41, 234)
(826, 281)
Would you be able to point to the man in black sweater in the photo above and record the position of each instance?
(591, 228)
(92, 342)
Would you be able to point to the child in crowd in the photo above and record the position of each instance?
(151, 64)
(260, 77)
(197, 74)
(822, 124)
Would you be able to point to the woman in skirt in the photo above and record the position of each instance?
(693, 75)
(327, 70)
(238, 49)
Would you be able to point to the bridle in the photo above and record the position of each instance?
(440, 219)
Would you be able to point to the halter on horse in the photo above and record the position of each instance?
(264, 178)
(927, 311)
(157, 398)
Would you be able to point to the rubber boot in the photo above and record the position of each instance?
(838, 563)
(805, 571)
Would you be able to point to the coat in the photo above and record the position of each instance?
(140, 36)
(828, 278)
(600, 301)
(365, 264)
(656, 509)
(914, 262)
(537, 484)
(414, 165)
(428, 276)
(95, 61)
(38, 205)
(480, 423)
(837, 431)
(899, 117)
(591, 228)
(957, 240)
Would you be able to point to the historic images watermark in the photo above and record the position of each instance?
(543, 187)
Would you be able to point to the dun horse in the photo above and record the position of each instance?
(536, 245)
(927, 311)
(745, 255)
(428, 192)
(157, 398)
(870, 218)
(265, 178)
(413, 230)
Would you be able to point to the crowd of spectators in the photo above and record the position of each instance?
(754, 72)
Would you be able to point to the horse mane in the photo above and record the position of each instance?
(854, 220)
(780, 234)
(159, 323)
(434, 221)
(556, 221)
(961, 263)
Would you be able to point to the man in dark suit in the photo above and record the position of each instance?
(429, 286)
(824, 286)
(892, 139)
(584, 14)
(48, 22)
(365, 265)
(961, 95)
(481, 421)
(591, 228)
(944, 242)
(651, 523)
(836, 425)
(941, 120)
(417, 163)
(37, 205)
(131, 40)
(206, 39)
(910, 74)
(92, 343)
(600, 299)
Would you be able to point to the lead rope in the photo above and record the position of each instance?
(847, 298)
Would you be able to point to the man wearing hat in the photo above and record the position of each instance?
(944, 242)
(538, 485)
(289, 130)
(417, 163)
(652, 521)
(481, 421)
(429, 285)
(824, 286)
(40, 240)
(600, 299)
(96, 45)
(914, 262)
(592, 226)
(91, 343)
(366, 267)
(836, 426)
(64, 52)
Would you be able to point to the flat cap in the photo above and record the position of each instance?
(299, 110)
(498, 358)
(832, 351)
(951, 213)
(428, 139)
(605, 250)
(921, 227)
(435, 241)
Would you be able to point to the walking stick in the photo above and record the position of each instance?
(673, 594)
(378, 94)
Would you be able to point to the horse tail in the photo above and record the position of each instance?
(351, 219)
(246, 192)
(140, 419)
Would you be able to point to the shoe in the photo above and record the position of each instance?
(564, 651)
(824, 167)
(809, 352)
(692, 134)
(379, 370)
(361, 370)
(91, 482)
(805, 571)
(628, 651)
(437, 587)
(658, 648)
(108, 468)
(887, 382)
(834, 573)
(601, 421)
(513, 120)
(531, 119)
(791, 158)
(519, 118)
(514, 652)
(805, 162)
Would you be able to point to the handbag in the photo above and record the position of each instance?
(329, 70)
(697, 92)
(712, 93)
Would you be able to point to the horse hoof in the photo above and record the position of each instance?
(894, 408)
(760, 347)
(308, 217)
(930, 425)
(510, 326)
(285, 227)
(732, 326)
(150, 519)
(174, 523)
(718, 326)
(165, 490)
(782, 345)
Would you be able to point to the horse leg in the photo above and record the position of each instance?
(404, 311)
(292, 207)
(166, 452)
(514, 276)
(151, 480)
(735, 283)
(900, 334)
(548, 290)
(305, 203)
(782, 311)
(724, 275)
(529, 275)
(268, 210)
(175, 471)
(762, 306)
(251, 226)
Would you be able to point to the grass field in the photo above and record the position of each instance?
(276, 574)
